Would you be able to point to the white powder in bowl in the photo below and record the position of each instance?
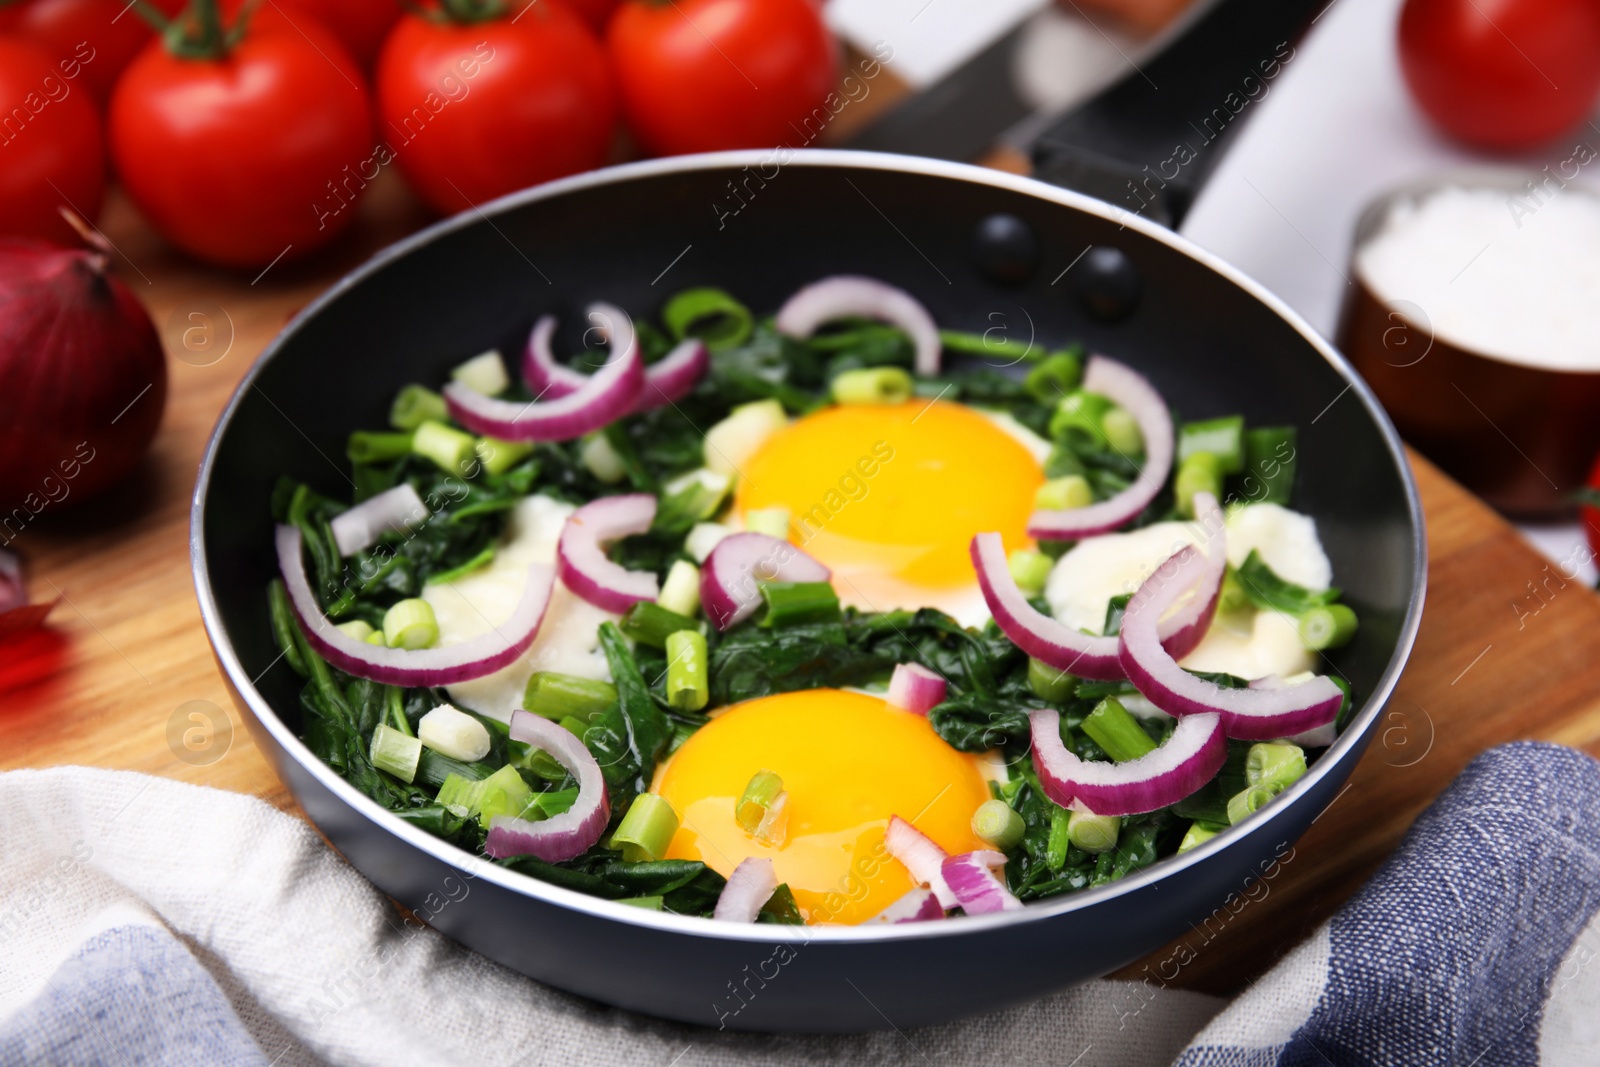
(1497, 272)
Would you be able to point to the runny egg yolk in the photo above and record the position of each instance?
(848, 761)
(890, 495)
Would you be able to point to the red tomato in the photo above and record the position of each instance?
(258, 154)
(1502, 74)
(595, 12)
(702, 75)
(102, 36)
(476, 110)
(50, 147)
(361, 24)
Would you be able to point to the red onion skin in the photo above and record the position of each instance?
(83, 380)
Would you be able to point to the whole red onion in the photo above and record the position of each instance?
(82, 379)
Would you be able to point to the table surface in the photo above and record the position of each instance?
(1507, 650)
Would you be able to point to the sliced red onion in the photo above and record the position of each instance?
(1037, 634)
(1127, 388)
(413, 667)
(849, 295)
(544, 375)
(666, 381)
(751, 885)
(396, 510)
(979, 891)
(921, 855)
(1247, 714)
(574, 831)
(1188, 760)
(605, 396)
(730, 581)
(919, 905)
(581, 552)
(1183, 629)
(674, 375)
(1321, 737)
(915, 688)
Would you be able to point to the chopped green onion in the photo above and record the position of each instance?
(646, 830)
(500, 456)
(554, 802)
(647, 903)
(774, 522)
(454, 733)
(376, 638)
(356, 628)
(1122, 432)
(1050, 684)
(997, 824)
(760, 794)
(729, 443)
(1223, 438)
(794, 603)
(691, 498)
(703, 537)
(709, 314)
(285, 630)
(1327, 627)
(985, 344)
(1055, 849)
(1233, 596)
(1030, 570)
(502, 793)
(1079, 417)
(555, 696)
(395, 752)
(1269, 456)
(1276, 765)
(484, 373)
(651, 624)
(602, 459)
(873, 385)
(1056, 375)
(1199, 473)
(688, 676)
(366, 447)
(450, 449)
(1071, 491)
(680, 592)
(575, 726)
(1248, 801)
(415, 405)
(1119, 733)
(1093, 833)
(457, 794)
(478, 562)
(1198, 834)
(410, 624)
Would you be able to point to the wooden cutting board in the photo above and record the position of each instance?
(124, 669)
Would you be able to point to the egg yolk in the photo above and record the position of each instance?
(894, 491)
(848, 761)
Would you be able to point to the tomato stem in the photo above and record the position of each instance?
(200, 33)
(466, 11)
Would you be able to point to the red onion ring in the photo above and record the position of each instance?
(921, 855)
(544, 375)
(1247, 714)
(1189, 759)
(919, 905)
(413, 667)
(915, 688)
(581, 560)
(394, 510)
(751, 885)
(674, 376)
(574, 831)
(666, 381)
(730, 588)
(845, 295)
(1183, 630)
(604, 397)
(1321, 737)
(979, 891)
(1129, 389)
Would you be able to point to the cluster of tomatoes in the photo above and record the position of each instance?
(247, 130)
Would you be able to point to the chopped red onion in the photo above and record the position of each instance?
(921, 855)
(396, 510)
(1321, 737)
(1129, 389)
(581, 552)
(1247, 714)
(849, 295)
(413, 667)
(1037, 634)
(730, 582)
(751, 885)
(971, 877)
(674, 375)
(915, 688)
(574, 831)
(1188, 760)
(919, 905)
(666, 381)
(544, 375)
(1183, 629)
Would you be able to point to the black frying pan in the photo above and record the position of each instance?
(1211, 340)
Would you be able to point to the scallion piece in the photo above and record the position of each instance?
(710, 314)
(1330, 626)
(450, 449)
(988, 344)
(1199, 473)
(575, 726)
(759, 795)
(1050, 684)
(484, 373)
(1093, 833)
(499, 456)
(395, 752)
(1030, 570)
(544, 805)
(794, 603)
(1233, 596)
(478, 562)
(1119, 733)
(872, 385)
(680, 591)
(410, 624)
(774, 522)
(1248, 801)
(556, 696)
(1198, 834)
(1056, 375)
(1071, 491)
(646, 830)
(1122, 432)
(651, 624)
(1223, 438)
(647, 903)
(1269, 457)
(703, 537)
(356, 628)
(997, 824)
(415, 405)
(366, 447)
(453, 733)
(688, 674)
(502, 793)
(1055, 848)
(376, 638)
(690, 499)
(602, 459)
(1078, 418)
(1276, 765)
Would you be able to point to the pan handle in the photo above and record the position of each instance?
(1149, 141)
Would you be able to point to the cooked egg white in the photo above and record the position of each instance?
(567, 642)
